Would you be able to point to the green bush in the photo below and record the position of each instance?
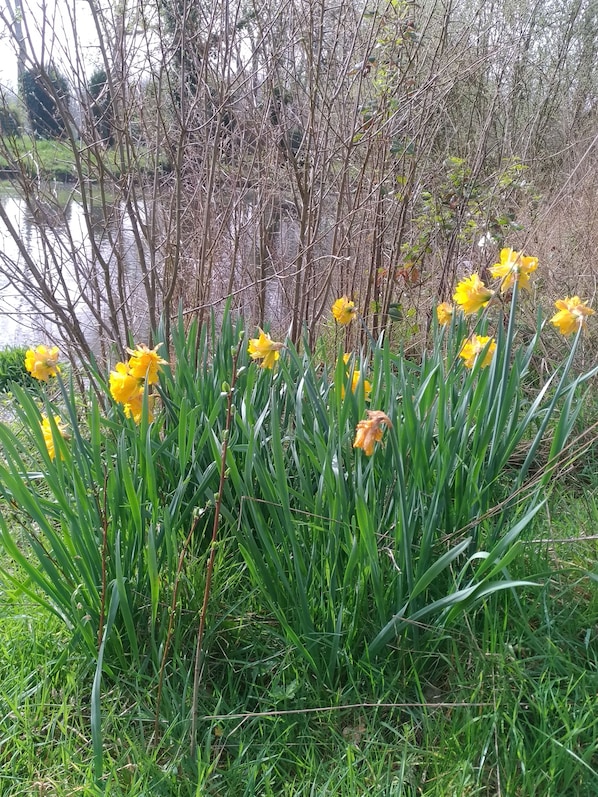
(12, 369)
(351, 552)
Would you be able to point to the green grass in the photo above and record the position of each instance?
(510, 701)
(44, 158)
(51, 159)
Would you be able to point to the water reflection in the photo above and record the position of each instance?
(48, 258)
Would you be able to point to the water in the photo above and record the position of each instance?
(86, 267)
(48, 259)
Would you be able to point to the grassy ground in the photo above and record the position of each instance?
(506, 704)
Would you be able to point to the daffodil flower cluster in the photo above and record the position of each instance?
(42, 363)
(472, 295)
(128, 380)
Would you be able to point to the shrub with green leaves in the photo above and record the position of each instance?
(354, 543)
(12, 368)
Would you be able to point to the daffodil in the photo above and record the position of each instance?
(145, 363)
(514, 267)
(134, 407)
(123, 385)
(444, 313)
(367, 385)
(369, 432)
(355, 380)
(264, 349)
(42, 362)
(49, 437)
(476, 344)
(471, 294)
(344, 310)
(572, 314)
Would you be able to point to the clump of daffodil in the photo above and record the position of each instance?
(128, 380)
(145, 363)
(344, 310)
(514, 267)
(572, 314)
(474, 346)
(48, 436)
(42, 362)
(356, 379)
(471, 294)
(444, 313)
(369, 432)
(123, 385)
(264, 349)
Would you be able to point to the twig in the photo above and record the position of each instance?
(199, 650)
(349, 707)
(104, 559)
(175, 593)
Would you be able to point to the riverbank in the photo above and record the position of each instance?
(54, 160)
(42, 159)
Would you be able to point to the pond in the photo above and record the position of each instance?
(47, 256)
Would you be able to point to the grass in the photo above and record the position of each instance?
(40, 158)
(504, 704)
(51, 159)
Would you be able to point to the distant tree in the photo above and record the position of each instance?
(45, 91)
(9, 121)
(101, 105)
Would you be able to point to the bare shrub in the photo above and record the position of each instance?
(283, 154)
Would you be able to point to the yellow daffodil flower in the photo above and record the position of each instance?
(514, 267)
(134, 407)
(572, 314)
(42, 362)
(123, 385)
(471, 294)
(369, 432)
(344, 310)
(444, 313)
(355, 380)
(367, 385)
(48, 436)
(264, 349)
(474, 346)
(145, 363)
